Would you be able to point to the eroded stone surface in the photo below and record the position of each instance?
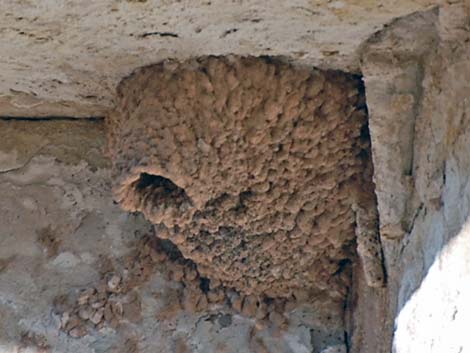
(63, 57)
(61, 235)
(417, 94)
(435, 264)
(251, 166)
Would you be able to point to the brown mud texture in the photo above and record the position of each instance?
(252, 166)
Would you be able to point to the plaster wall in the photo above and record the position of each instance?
(61, 233)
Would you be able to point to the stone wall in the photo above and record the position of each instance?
(417, 94)
(68, 249)
(79, 274)
(65, 58)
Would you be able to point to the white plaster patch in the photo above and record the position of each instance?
(6, 347)
(66, 260)
(335, 349)
(29, 203)
(437, 317)
(336, 5)
(87, 258)
(299, 341)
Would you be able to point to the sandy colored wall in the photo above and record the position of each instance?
(417, 95)
(79, 274)
(65, 57)
(62, 236)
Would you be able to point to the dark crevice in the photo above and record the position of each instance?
(342, 266)
(346, 341)
(159, 34)
(175, 255)
(204, 285)
(53, 118)
(155, 180)
(228, 32)
(169, 248)
(163, 190)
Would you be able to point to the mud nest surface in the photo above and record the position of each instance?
(249, 165)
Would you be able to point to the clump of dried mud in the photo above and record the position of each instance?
(115, 299)
(250, 166)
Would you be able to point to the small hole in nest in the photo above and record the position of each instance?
(204, 284)
(146, 180)
(161, 191)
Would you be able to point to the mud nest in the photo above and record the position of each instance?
(250, 166)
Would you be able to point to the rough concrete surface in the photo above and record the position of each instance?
(80, 274)
(417, 95)
(65, 57)
(62, 236)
